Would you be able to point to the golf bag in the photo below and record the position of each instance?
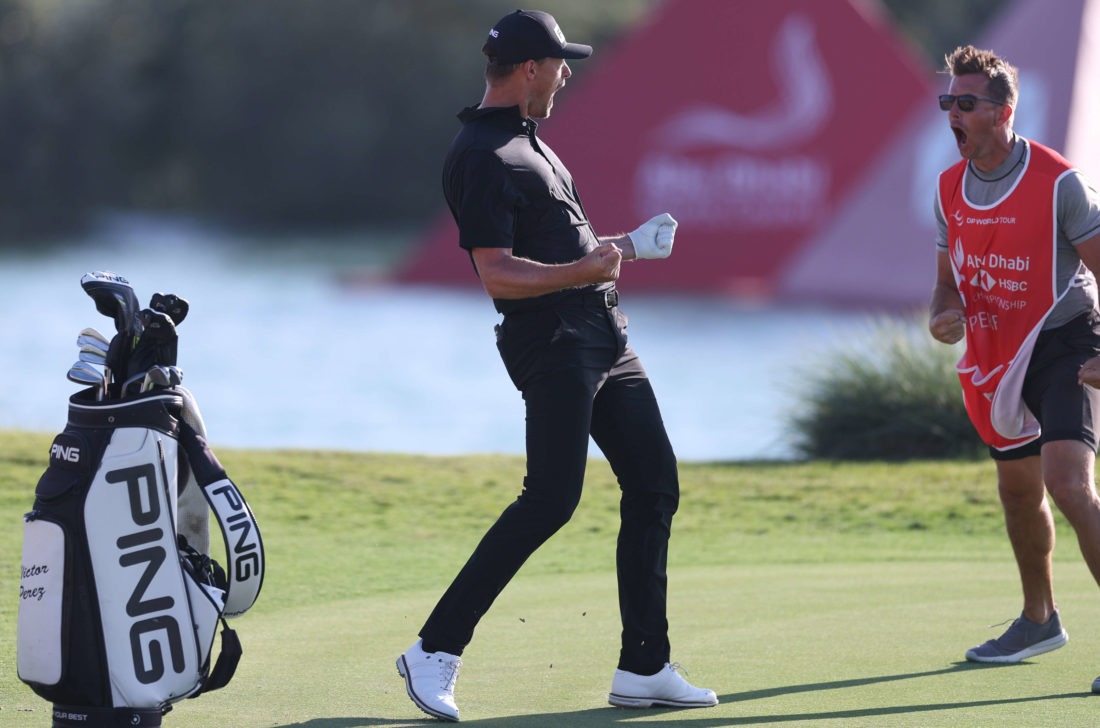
(118, 612)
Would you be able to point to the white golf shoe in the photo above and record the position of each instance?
(667, 687)
(430, 680)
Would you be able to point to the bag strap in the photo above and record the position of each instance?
(226, 664)
(244, 548)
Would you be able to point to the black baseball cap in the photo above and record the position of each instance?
(527, 35)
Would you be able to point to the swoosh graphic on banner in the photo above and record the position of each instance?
(804, 104)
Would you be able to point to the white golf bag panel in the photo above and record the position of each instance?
(153, 653)
(41, 603)
(118, 613)
(65, 620)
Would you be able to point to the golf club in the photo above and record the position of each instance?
(157, 345)
(83, 340)
(135, 379)
(115, 298)
(90, 334)
(95, 348)
(156, 376)
(83, 373)
(171, 304)
(92, 357)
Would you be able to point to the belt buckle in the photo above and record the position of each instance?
(610, 298)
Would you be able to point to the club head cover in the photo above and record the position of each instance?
(157, 345)
(114, 298)
(171, 304)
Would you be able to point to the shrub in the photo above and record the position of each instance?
(892, 395)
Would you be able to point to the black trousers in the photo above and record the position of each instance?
(578, 376)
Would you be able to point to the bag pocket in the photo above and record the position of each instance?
(206, 588)
(43, 603)
(70, 458)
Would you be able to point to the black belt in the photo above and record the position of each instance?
(591, 299)
(595, 299)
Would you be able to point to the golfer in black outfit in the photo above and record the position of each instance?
(563, 341)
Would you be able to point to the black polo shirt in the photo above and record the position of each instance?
(507, 189)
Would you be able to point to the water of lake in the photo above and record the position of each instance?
(281, 354)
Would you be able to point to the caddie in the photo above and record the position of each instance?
(1017, 254)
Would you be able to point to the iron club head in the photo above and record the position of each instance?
(93, 357)
(155, 377)
(84, 373)
(90, 334)
(83, 341)
(94, 349)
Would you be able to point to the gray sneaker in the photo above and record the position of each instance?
(1022, 640)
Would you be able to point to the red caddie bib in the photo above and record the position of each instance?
(1003, 257)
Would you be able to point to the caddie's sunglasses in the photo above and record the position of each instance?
(966, 101)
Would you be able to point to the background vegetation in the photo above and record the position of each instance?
(893, 396)
(275, 114)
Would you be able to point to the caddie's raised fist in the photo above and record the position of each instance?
(1089, 373)
(654, 238)
(948, 327)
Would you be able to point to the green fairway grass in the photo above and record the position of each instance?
(804, 594)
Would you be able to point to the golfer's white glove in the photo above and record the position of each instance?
(654, 238)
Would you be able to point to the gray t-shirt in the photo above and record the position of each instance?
(1078, 213)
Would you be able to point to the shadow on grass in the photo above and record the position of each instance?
(668, 717)
(961, 666)
(361, 722)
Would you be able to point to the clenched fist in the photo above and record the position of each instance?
(948, 326)
(1089, 373)
(602, 264)
(655, 237)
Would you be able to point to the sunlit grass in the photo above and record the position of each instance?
(802, 592)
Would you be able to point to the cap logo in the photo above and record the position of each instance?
(560, 35)
(494, 32)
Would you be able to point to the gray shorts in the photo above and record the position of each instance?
(1065, 409)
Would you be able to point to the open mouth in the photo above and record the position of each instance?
(960, 135)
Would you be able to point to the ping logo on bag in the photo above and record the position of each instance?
(70, 454)
(154, 629)
(67, 450)
(246, 547)
(144, 611)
